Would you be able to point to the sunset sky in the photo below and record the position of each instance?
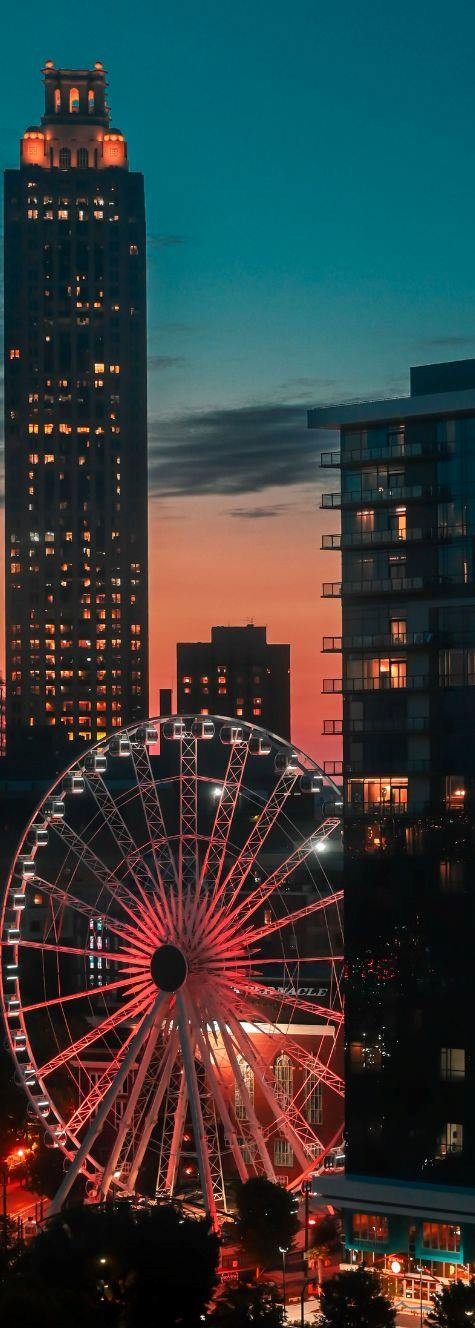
(310, 200)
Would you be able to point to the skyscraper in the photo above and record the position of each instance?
(75, 420)
(407, 538)
(236, 673)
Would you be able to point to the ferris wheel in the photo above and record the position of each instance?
(165, 912)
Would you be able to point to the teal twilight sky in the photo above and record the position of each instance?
(311, 200)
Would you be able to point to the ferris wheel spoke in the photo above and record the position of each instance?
(165, 866)
(112, 956)
(118, 890)
(135, 862)
(65, 899)
(107, 1103)
(289, 919)
(306, 1059)
(127, 1011)
(215, 855)
(276, 880)
(188, 832)
(151, 1115)
(187, 1051)
(125, 1132)
(288, 998)
(173, 1160)
(131, 982)
(233, 882)
(280, 1113)
(254, 1125)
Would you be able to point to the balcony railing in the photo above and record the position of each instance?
(332, 728)
(393, 452)
(331, 541)
(330, 459)
(419, 492)
(331, 589)
(387, 809)
(415, 766)
(331, 644)
(403, 724)
(333, 768)
(381, 640)
(383, 683)
(371, 538)
(405, 584)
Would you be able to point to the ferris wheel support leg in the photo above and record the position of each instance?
(177, 1136)
(187, 1052)
(128, 1115)
(254, 1126)
(152, 1115)
(106, 1104)
(215, 1089)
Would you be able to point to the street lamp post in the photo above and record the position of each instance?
(306, 1190)
(283, 1250)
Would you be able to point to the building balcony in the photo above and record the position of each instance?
(331, 541)
(403, 585)
(406, 724)
(383, 683)
(331, 589)
(330, 460)
(389, 641)
(416, 766)
(411, 811)
(332, 728)
(331, 645)
(401, 451)
(423, 493)
(333, 768)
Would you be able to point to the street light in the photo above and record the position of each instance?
(395, 1266)
(283, 1250)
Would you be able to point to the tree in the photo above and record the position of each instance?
(249, 1303)
(265, 1220)
(44, 1170)
(453, 1306)
(354, 1300)
(112, 1264)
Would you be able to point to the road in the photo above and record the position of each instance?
(404, 1318)
(20, 1202)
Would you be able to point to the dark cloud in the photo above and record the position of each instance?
(156, 363)
(232, 451)
(165, 241)
(257, 513)
(464, 339)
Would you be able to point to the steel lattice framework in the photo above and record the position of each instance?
(155, 928)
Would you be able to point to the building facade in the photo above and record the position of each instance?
(407, 542)
(75, 420)
(236, 673)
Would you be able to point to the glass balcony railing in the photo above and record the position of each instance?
(403, 724)
(331, 589)
(331, 541)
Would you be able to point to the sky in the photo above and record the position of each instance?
(310, 202)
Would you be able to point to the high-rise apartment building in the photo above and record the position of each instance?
(407, 543)
(75, 420)
(236, 673)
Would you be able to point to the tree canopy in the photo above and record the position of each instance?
(354, 1300)
(265, 1219)
(114, 1264)
(248, 1304)
(453, 1306)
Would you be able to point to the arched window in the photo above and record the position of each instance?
(90, 102)
(283, 1153)
(313, 1100)
(57, 101)
(74, 101)
(284, 1079)
(248, 1077)
(83, 157)
(64, 157)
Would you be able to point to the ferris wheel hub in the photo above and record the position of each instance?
(168, 967)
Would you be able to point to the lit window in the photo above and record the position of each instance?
(450, 1139)
(455, 793)
(57, 101)
(14, 353)
(452, 1063)
(74, 101)
(90, 102)
(370, 1227)
(441, 1236)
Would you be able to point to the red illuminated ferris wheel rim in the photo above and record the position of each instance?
(181, 903)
